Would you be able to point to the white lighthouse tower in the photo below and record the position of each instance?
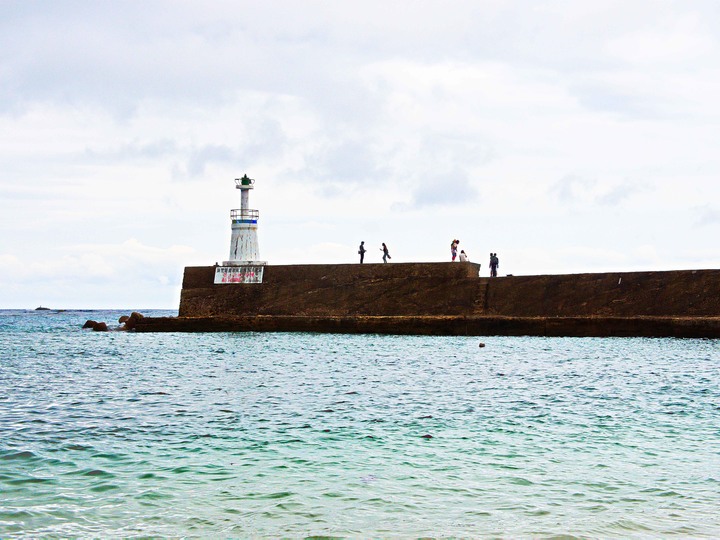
(243, 265)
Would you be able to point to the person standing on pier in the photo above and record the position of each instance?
(453, 249)
(361, 251)
(386, 253)
(494, 264)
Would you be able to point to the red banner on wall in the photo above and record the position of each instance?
(238, 274)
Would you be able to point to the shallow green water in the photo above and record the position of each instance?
(295, 435)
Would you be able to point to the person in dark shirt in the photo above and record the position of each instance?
(494, 264)
(386, 253)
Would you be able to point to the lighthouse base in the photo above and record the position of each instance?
(244, 263)
(239, 272)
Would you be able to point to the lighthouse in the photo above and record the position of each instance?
(243, 264)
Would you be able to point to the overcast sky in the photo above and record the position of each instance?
(565, 136)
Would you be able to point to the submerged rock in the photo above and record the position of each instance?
(96, 326)
(132, 320)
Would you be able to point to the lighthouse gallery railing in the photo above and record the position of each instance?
(239, 214)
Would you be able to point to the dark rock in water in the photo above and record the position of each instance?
(96, 326)
(40, 308)
(426, 436)
(133, 319)
(481, 345)
(123, 318)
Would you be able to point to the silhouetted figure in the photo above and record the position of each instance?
(386, 253)
(494, 264)
(361, 251)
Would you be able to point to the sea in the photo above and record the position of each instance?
(303, 435)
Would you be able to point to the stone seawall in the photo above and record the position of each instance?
(681, 327)
(449, 299)
(338, 290)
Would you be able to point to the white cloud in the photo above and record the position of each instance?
(707, 216)
(89, 275)
(564, 136)
(572, 187)
(671, 40)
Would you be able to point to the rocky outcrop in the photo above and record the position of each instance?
(131, 322)
(127, 322)
(96, 326)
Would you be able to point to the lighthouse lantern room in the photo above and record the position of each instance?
(243, 265)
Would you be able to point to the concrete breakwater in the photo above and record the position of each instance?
(448, 299)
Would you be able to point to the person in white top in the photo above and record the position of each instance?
(463, 256)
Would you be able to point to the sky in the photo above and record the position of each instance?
(565, 136)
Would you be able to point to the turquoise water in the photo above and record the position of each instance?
(121, 435)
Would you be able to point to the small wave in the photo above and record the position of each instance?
(77, 447)
(276, 495)
(103, 488)
(153, 495)
(97, 472)
(25, 454)
(23, 481)
(626, 525)
(518, 481)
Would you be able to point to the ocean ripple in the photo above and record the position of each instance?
(305, 435)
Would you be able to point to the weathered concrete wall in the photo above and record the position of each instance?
(450, 289)
(682, 293)
(338, 290)
(448, 299)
